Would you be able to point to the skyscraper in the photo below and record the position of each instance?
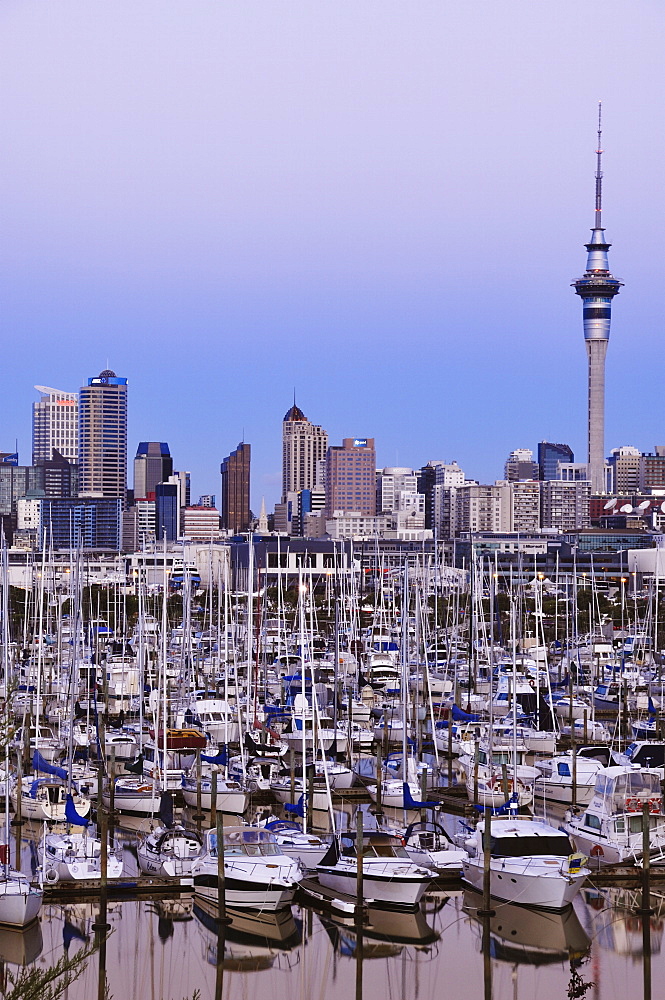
(351, 477)
(153, 464)
(235, 489)
(55, 425)
(103, 437)
(597, 287)
(304, 445)
(549, 456)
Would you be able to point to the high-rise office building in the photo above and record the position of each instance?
(153, 464)
(55, 425)
(103, 437)
(597, 287)
(304, 447)
(351, 477)
(167, 511)
(235, 489)
(652, 470)
(625, 464)
(549, 456)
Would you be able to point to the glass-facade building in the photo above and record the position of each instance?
(549, 456)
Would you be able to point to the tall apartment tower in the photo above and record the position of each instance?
(351, 477)
(55, 425)
(235, 489)
(153, 464)
(304, 446)
(103, 437)
(597, 287)
(520, 465)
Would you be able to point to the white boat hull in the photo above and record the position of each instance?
(546, 892)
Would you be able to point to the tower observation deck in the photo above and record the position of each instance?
(597, 287)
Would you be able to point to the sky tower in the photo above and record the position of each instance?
(597, 288)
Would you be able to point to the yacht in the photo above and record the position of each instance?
(555, 783)
(70, 857)
(258, 875)
(389, 875)
(531, 863)
(609, 830)
(20, 899)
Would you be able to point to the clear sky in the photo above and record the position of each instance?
(381, 204)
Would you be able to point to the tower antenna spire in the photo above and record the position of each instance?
(599, 172)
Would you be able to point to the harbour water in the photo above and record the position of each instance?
(166, 949)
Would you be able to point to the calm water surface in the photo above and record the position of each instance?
(165, 950)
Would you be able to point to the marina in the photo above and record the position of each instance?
(263, 829)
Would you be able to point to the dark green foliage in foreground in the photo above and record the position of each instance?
(47, 984)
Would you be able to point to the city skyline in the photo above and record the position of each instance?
(218, 252)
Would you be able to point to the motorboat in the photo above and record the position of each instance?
(531, 863)
(555, 783)
(390, 877)
(258, 875)
(609, 830)
(307, 848)
(643, 753)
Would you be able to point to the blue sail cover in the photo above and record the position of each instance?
(501, 810)
(460, 716)
(411, 803)
(40, 764)
(296, 810)
(221, 758)
(71, 814)
(652, 710)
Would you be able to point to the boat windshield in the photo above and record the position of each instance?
(377, 846)
(632, 783)
(247, 842)
(519, 847)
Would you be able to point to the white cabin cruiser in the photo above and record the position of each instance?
(531, 863)
(389, 875)
(555, 783)
(258, 875)
(610, 828)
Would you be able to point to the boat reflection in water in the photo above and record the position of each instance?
(253, 939)
(525, 936)
(169, 912)
(21, 946)
(618, 927)
(385, 932)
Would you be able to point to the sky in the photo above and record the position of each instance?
(379, 205)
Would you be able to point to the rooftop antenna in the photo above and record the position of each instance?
(599, 172)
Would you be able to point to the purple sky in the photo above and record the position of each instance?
(381, 204)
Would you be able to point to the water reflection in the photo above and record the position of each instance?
(252, 941)
(165, 949)
(522, 935)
